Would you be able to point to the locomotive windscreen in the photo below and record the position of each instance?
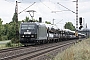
(27, 26)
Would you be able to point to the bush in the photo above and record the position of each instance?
(0, 38)
(4, 38)
(14, 40)
(9, 44)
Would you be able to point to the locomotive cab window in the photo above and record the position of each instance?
(31, 26)
(24, 26)
(27, 26)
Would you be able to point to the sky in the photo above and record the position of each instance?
(44, 9)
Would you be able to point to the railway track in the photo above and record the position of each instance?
(11, 49)
(31, 52)
(40, 52)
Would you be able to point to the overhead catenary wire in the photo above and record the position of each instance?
(59, 21)
(27, 7)
(59, 7)
(66, 8)
(22, 7)
(46, 5)
(63, 10)
(14, 4)
(51, 9)
(9, 2)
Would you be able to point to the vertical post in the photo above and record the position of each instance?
(53, 21)
(16, 11)
(76, 32)
(16, 22)
(86, 31)
(83, 23)
(48, 33)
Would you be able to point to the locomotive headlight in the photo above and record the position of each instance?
(23, 36)
(32, 35)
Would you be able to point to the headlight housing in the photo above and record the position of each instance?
(22, 36)
(32, 35)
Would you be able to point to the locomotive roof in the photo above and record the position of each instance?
(28, 23)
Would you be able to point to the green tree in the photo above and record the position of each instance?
(12, 33)
(70, 26)
(26, 19)
(5, 29)
(47, 22)
(14, 18)
(35, 20)
(12, 30)
(1, 29)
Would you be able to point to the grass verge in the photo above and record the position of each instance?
(79, 51)
(2, 46)
(10, 45)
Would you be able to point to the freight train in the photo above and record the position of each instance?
(38, 33)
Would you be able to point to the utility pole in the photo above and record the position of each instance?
(86, 31)
(16, 11)
(76, 32)
(16, 21)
